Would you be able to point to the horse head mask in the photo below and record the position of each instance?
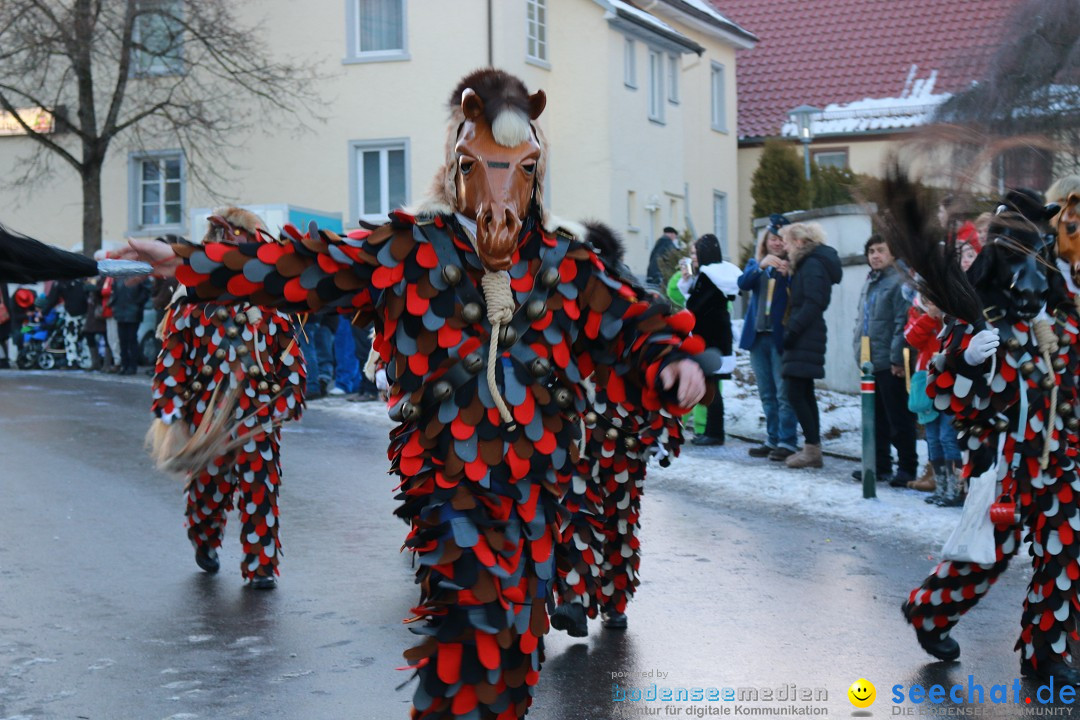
(495, 160)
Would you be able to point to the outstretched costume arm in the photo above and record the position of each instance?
(305, 272)
(624, 335)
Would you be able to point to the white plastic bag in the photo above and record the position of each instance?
(973, 538)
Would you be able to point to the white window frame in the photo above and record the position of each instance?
(720, 217)
(816, 156)
(718, 98)
(353, 52)
(630, 64)
(656, 86)
(536, 50)
(673, 79)
(356, 179)
(135, 196)
(157, 65)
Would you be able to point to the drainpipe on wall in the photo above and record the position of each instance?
(491, 54)
(686, 210)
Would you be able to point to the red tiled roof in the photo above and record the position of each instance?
(816, 52)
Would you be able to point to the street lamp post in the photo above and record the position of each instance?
(802, 116)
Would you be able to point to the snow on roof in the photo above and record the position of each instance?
(914, 107)
(644, 16)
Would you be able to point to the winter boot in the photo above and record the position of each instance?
(953, 495)
(1051, 667)
(943, 648)
(928, 480)
(944, 480)
(263, 582)
(808, 457)
(614, 620)
(571, 619)
(207, 559)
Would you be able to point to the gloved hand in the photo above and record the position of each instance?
(380, 380)
(982, 346)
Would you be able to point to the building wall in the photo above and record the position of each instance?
(603, 144)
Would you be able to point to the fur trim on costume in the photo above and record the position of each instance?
(239, 219)
(609, 245)
(552, 223)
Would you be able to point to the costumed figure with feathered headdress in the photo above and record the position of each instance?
(1001, 372)
(228, 374)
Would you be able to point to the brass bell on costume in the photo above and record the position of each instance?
(1073, 423)
(451, 274)
(1012, 344)
(540, 367)
(535, 309)
(611, 434)
(409, 412)
(471, 313)
(591, 418)
(207, 370)
(631, 443)
(507, 336)
(232, 331)
(1026, 368)
(222, 314)
(563, 398)
(220, 353)
(254, 370)
(1001, 424)
(197, 386)
(275, 388)
(1064, 408)
(1047, 382)
(473, 362)
(550, 277)
(1059, 364)
(241, 319)
(442, 391)
(241, 349)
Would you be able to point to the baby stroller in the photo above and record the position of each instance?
(43, 343)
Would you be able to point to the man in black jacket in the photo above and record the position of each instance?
(665, 244)
(883, 313)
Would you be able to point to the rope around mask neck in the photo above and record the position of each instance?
(500, 310)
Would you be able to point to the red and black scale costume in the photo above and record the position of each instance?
(229, 356)
(600, 557)
(483, 498)
(1015, 400)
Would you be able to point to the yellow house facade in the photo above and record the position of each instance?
(641, 118)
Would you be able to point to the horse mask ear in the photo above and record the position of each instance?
(471, 104)
(537, 103)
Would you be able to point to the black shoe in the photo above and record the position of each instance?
(945, 649)
(707, 440)
(900, 480)
(571, 620)
(1056, 668)
(780, 454)
(614, 620)
(263, 582)
(760, 451)
(207, 559)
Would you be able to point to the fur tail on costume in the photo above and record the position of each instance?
(176, 450)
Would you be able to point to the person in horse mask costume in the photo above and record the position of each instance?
(1001, 372)
(488, 313)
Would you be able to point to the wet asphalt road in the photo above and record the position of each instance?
(104, 615)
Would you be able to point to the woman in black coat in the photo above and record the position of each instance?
(815, 269)
(710, 306)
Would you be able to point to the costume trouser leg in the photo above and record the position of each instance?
(254, 470)
(579, 552)
(622, 546)
(486, 570)
(1048, 617)
(955, 587)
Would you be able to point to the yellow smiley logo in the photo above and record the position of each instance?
(862, 693)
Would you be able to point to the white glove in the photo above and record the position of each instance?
(982, 346)
(380, 380)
